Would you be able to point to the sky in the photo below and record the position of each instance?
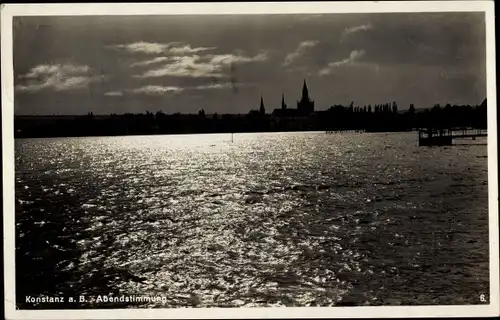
(224, 63)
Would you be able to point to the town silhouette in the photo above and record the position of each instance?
(385, 117)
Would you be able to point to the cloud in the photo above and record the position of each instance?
(234, 58)
(58, 77)
(162, 90)
(353, 59)
(148, 62)
(184, 66)
(214, 86)
(142, 47)
(157, 48)
(301, 49)
(355, 29)
(211, 65)
(114, 94)
(51, 69)
(355, 55)
(156, 90)
(187, 49)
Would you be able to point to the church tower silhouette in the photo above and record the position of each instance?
(283, 104)
(305, 105)
(262, 110)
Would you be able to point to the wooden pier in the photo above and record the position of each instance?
(444, 137)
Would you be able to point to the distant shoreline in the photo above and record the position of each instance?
(215, 133)
(382, 118)
(222, 133)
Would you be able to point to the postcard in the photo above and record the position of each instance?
(250, 160)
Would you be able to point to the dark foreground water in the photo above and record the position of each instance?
(275, 219)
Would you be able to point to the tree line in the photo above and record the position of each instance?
(379, 117)
(386, 117)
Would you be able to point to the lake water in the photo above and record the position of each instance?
(273, 219)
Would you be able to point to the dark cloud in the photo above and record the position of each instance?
(224, 63)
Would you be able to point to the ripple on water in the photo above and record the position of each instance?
(266, 221)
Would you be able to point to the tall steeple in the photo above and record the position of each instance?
(262, 109)
(283, 104)
(305, 105)
(305, 92)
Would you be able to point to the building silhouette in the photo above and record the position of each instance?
(262, 110)
(283, 104)
(305, 105)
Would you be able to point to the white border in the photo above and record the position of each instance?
(10, 10)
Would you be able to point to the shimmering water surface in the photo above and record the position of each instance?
(274, 219)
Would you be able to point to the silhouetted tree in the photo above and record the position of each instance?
(483, 104)
(411, 110)
(394, 107)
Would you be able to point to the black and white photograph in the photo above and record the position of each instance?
(258, 157)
